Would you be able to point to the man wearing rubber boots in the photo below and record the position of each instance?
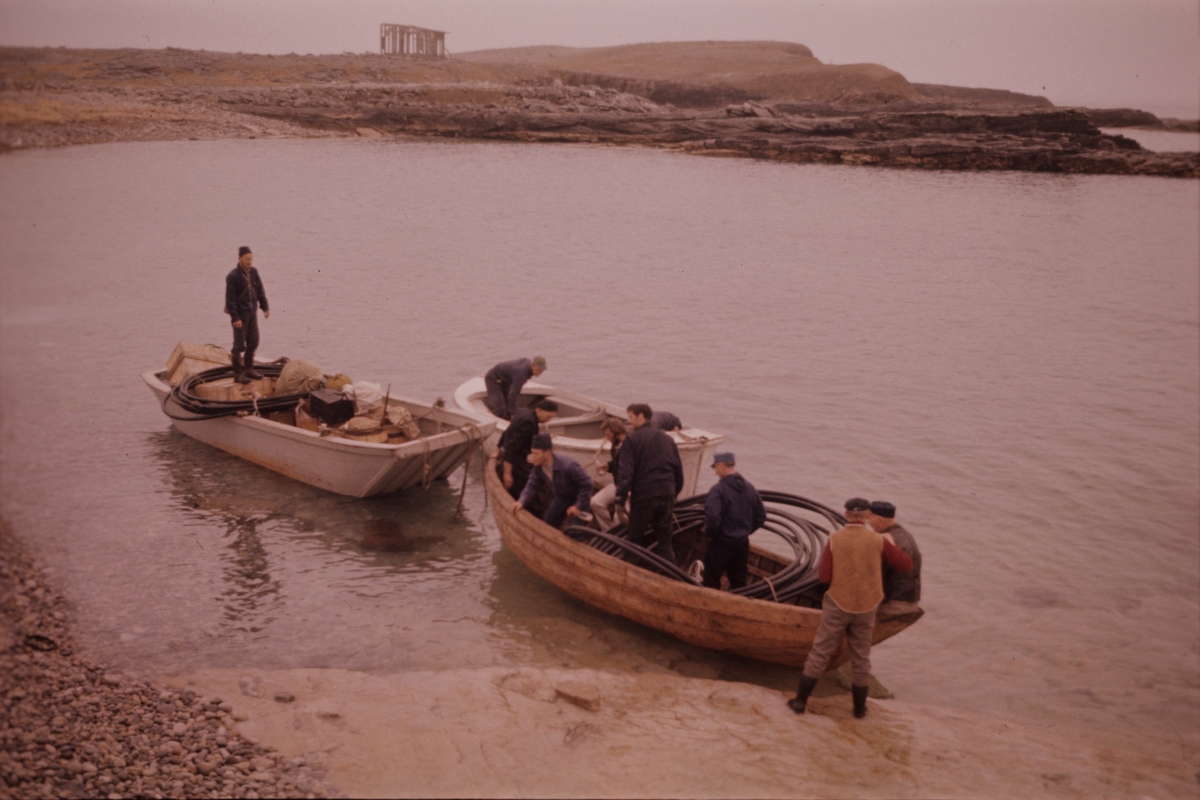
(243, 296)
(852, 566)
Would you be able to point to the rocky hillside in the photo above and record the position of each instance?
(765, 100)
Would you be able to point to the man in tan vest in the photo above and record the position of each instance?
(852, 565)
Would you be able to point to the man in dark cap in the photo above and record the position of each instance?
(852, 566)
(572, 485)
(243, 296)
(650, 475)
(901, 590)
(504, 382)
(732, 511)
(516, 441)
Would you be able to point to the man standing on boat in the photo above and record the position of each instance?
(650, 475)
(604, 502)
(243, 296)
(732, 511)
(901, 590)
(571, 484)
(517, 440)
(852, 565)
(504, 382)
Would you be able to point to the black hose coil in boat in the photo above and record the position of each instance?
(790, 584)
(197, 408)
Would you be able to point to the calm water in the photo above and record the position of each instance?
(1013, 359)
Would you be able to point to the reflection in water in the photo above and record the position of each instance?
(249, 583)
(385, 536)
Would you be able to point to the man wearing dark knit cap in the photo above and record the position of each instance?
(732, 511)
(852, 566)
(571, 484)
(901, 590)
(243, 296)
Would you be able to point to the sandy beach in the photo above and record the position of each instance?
(75, 729)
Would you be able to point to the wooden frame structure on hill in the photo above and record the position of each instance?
(408, 40)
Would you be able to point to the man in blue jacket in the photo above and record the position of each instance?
(572, 485)
(243, 296)
(732, 511)
(505, 380)
(650, 474)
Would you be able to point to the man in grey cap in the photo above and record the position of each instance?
(852, 566)
(732, 511)
(243, 296)
(505, 380)
(901, 590)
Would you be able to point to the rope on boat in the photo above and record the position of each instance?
(790, 584)
(196, 408)
(473, 435)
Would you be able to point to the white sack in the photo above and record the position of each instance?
(367, 396)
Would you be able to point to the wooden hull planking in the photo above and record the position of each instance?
(781, 634)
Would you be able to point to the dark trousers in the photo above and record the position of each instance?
(520, 471)
(722, 557)
(652, 514)
(557, 512)
(245, 339)
(497, 398)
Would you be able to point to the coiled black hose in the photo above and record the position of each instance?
(805, 537)
(184, 398)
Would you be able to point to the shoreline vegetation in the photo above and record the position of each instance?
(73, 728)
(765, 100)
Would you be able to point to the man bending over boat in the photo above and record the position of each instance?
(852, 565)
(518, 439)
(650, 475)
(732, 511)
(505, 380)
(901, 590)
(571, 484)
(243, 296)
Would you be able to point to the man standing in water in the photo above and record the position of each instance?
(650, 474)
(243, 296)
(504, 382)
(852, 565)
(901, 590)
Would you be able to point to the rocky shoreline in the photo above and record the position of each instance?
(72, 728)
(97, 96)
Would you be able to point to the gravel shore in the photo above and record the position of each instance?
(72, 728)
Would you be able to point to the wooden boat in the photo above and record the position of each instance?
(341, 465)
(717, 620)
(576, 429)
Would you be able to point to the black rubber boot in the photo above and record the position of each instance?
(860, 700)
(800, 701)
(248, 367)
(239, 376)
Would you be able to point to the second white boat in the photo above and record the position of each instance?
(576, 429)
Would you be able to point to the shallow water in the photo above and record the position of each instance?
(1160, 141)
(1012, 359)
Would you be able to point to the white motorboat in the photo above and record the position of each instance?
(329, 460)
(576, 429)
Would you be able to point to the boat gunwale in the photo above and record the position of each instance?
(417, 447)
(698, 439)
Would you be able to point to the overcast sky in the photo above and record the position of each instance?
(1105, 53)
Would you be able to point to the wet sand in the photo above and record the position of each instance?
(586, 733)
(74, 728)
